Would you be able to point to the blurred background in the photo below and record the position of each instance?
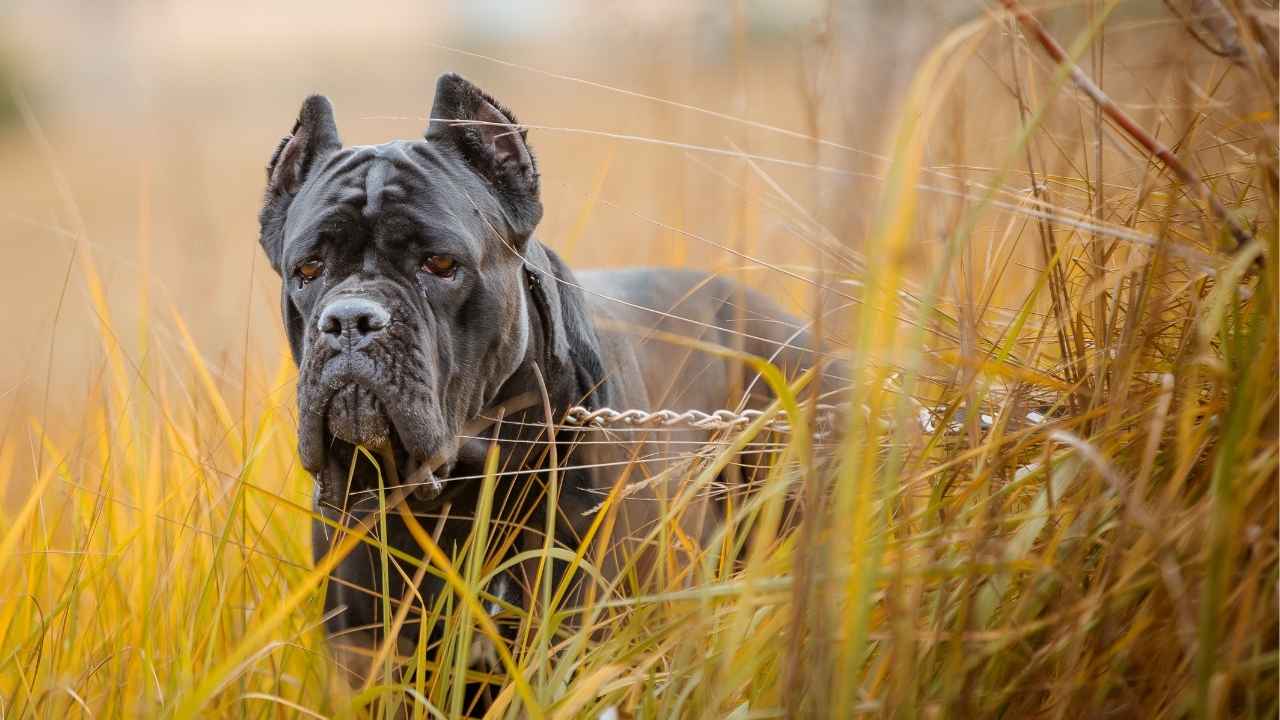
(143, 128)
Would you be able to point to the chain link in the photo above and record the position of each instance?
(583, 417)
(826, 415)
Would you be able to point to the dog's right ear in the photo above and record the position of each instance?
(490, 138)
(313, 139)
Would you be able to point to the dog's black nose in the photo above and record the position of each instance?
(352, 322)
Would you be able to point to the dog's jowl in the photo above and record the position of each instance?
(419, 303)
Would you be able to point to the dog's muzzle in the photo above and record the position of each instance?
(348, 326)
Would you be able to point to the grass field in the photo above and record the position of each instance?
(1057, 495)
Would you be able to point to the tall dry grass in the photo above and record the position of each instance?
(1059, 498)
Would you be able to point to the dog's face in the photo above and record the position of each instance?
(401, 268)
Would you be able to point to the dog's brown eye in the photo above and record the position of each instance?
(309, 270)
(441, 265)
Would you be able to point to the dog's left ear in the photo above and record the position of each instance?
(491, 140)
(313, 139)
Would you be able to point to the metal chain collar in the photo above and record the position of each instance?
(605, 417)
(584, 417)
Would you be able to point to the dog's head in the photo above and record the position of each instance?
(402, 267)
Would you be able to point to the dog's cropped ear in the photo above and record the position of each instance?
(314, 138)
(490, 138)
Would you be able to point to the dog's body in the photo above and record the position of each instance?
(416, 300)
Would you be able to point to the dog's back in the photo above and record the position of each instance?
(676, 339)
(677, 322)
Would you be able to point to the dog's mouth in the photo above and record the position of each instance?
(355, 415)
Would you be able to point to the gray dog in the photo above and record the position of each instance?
(416, 299)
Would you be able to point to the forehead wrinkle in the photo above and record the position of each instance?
(340, 163)
(480, 214)
(375, 181)
(305, 235)
(427, 226)
(386, 187)
(334, 190)
(432, 181)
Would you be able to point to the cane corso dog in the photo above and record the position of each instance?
(416, 299)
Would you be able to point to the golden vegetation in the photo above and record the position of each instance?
(1114, 555)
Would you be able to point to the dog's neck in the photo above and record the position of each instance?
(542, 342)
(543, 359)
(555, 328)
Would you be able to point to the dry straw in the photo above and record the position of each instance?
(1116, 558)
